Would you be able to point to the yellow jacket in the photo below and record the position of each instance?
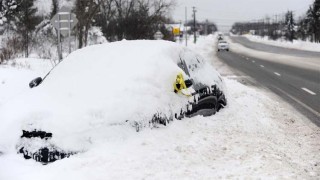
(179, 84)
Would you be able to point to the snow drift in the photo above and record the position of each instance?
(93, 94)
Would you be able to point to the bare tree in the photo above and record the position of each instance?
(132, 19)
(85, 11)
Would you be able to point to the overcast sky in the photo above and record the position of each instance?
(225, 12)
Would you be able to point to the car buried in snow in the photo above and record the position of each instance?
(104, 90)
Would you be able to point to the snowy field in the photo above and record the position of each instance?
(255, 136)
(296, 44)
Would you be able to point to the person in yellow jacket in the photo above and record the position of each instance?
(181, 84)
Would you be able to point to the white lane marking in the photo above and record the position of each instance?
(253, 61)
(262, 66)
(308, 91)
(277, 74)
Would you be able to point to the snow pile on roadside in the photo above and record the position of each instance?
(100, 86)
(277, 123)
(15, 77)
(296, 44)
(308, 63)
(255, 136)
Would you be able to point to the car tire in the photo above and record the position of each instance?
(222, 102)
(205, 107)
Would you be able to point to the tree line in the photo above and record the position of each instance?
(306, 27)
(24, 30)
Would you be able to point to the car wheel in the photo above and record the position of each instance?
(221, 102)
(206, 106)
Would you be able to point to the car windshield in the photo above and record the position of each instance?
(223, 42)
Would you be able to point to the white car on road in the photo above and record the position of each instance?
(223, 45)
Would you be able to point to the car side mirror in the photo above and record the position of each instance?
(35, 82)
(188, 83)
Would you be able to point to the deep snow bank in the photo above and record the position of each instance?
(307, 63)
(296, 44)
(257, 136)
(254, 137)
(98, 87)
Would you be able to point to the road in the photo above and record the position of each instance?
(298, 86)
(274, 49)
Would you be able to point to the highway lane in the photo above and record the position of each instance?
(273, 49)
(298, 86)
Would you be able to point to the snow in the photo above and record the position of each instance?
(44, 6)
(255, 136)
(308, 63)
(95, 36)
(296, 44)
(16, 76)
(96, 87)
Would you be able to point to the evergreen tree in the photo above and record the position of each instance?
(289, 26)
(313, 21)
(26, 21)
(302, 31)
(7, 11)
(316, 7)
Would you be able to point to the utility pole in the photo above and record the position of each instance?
(206, 27)
(194, 24)
(277, 27)
(185, 27)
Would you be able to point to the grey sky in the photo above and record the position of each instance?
(225, 12)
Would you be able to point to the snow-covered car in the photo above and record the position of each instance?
(223, 45)
(101, 91)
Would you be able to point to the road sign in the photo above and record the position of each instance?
(64, 21)
(158, 35)
(176, 31)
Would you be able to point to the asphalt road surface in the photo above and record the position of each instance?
(298, 86)
(274, 49)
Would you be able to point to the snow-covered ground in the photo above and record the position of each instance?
(255, 136)
(309, 63)
(15, 77)
(296, 44)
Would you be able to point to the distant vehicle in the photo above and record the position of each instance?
(223, 45)
(99, 92)
(220, 37)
